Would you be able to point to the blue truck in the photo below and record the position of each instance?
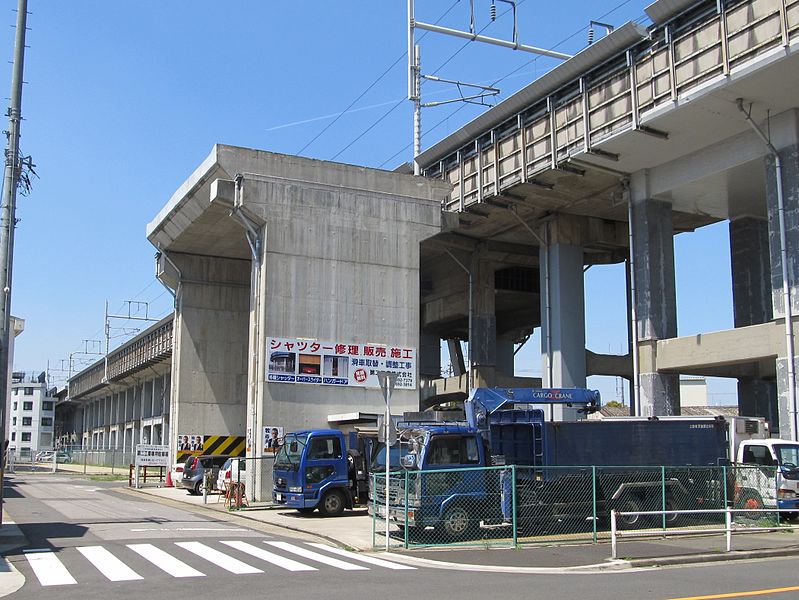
(324, 469)
(321, 469)
(556, 475)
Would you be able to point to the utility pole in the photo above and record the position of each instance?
(8, 222)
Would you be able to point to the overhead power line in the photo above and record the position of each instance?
(362, 94)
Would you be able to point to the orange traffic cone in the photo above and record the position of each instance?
(168, 482)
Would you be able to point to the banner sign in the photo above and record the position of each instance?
(337, 363)
(148, 455)
(273, 439)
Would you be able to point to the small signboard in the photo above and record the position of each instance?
(148, 455)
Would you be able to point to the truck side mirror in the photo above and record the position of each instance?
(409, 461)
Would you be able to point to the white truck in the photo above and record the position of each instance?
(769, 468)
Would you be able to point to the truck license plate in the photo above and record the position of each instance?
(279, 497)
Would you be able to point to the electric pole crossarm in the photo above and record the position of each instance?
(489, 40)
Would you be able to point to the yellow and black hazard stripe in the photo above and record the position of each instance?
(232, 445)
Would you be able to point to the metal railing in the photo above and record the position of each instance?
(729, 528)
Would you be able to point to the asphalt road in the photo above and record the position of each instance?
(89, 540)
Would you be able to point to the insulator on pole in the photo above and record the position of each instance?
(493, 12)
(590, 35)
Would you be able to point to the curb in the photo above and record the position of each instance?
(608, 567)
(687, 559)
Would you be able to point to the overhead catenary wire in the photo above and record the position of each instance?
(495, 82)
(368, 88)
(398, 104)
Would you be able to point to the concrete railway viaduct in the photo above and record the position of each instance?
(645, 134)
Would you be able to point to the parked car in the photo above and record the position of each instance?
(195, 469)
(61, 456)
(177, 472)
(233, 470)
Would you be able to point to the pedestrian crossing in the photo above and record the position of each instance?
(132, 562)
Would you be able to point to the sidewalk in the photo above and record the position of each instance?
(354, 531)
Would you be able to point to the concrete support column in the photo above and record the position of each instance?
(483, 321)
(566, 338)
(429, 355)
(655, 302)
(790, 197)
(751, 295)
(505, 357)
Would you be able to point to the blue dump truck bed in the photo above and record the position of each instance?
(636, 443)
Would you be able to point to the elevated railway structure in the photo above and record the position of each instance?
(647, 133)
(123, 399)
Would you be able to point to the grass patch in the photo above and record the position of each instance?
(108, 477)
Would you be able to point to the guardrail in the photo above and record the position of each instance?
(728, 529)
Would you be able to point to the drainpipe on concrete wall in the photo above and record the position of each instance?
(786, 293)
(173, 405)
(547, 298)
(254, 240)
(471, 333)
(636, 386)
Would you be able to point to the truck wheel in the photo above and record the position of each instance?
(456, 523)
(671, 504)
(750, 499)
(332, 505)
(629, 503)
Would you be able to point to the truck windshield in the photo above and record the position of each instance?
(379, 458)
(788, 455)
(288, 457)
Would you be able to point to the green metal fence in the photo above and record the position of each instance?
(515, 505)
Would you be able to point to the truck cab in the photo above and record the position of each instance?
(443, 490)
(778, 459)
(313, 469)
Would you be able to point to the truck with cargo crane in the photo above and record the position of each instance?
(576, 470)
(324, 469)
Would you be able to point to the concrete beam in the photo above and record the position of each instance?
(727, 347)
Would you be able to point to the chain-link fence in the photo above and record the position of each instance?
(514, 505)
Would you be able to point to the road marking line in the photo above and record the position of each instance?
(108, 564)
(278, 561)
(367, 559)
(49, 569)
(221, 530)
(165, 562)
(220, 559)
(333, 562)
(742, 594)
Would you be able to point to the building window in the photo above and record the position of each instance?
(26, 436)
(27, 421)
(27, 406)
(47, 421)
(13, 420)
(16, 391)
(13, 435)
(14, 407)
(29, 391)
(47, 405)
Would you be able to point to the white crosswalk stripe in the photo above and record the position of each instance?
(220, 559)
(108, 564)
(315, 556)
(164, 561)
(49, 569)
(275, 559)
(112, 564)
(370, 560)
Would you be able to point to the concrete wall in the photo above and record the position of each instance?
(340, 262)
(209, 381)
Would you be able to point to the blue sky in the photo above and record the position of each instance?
(124, 99)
